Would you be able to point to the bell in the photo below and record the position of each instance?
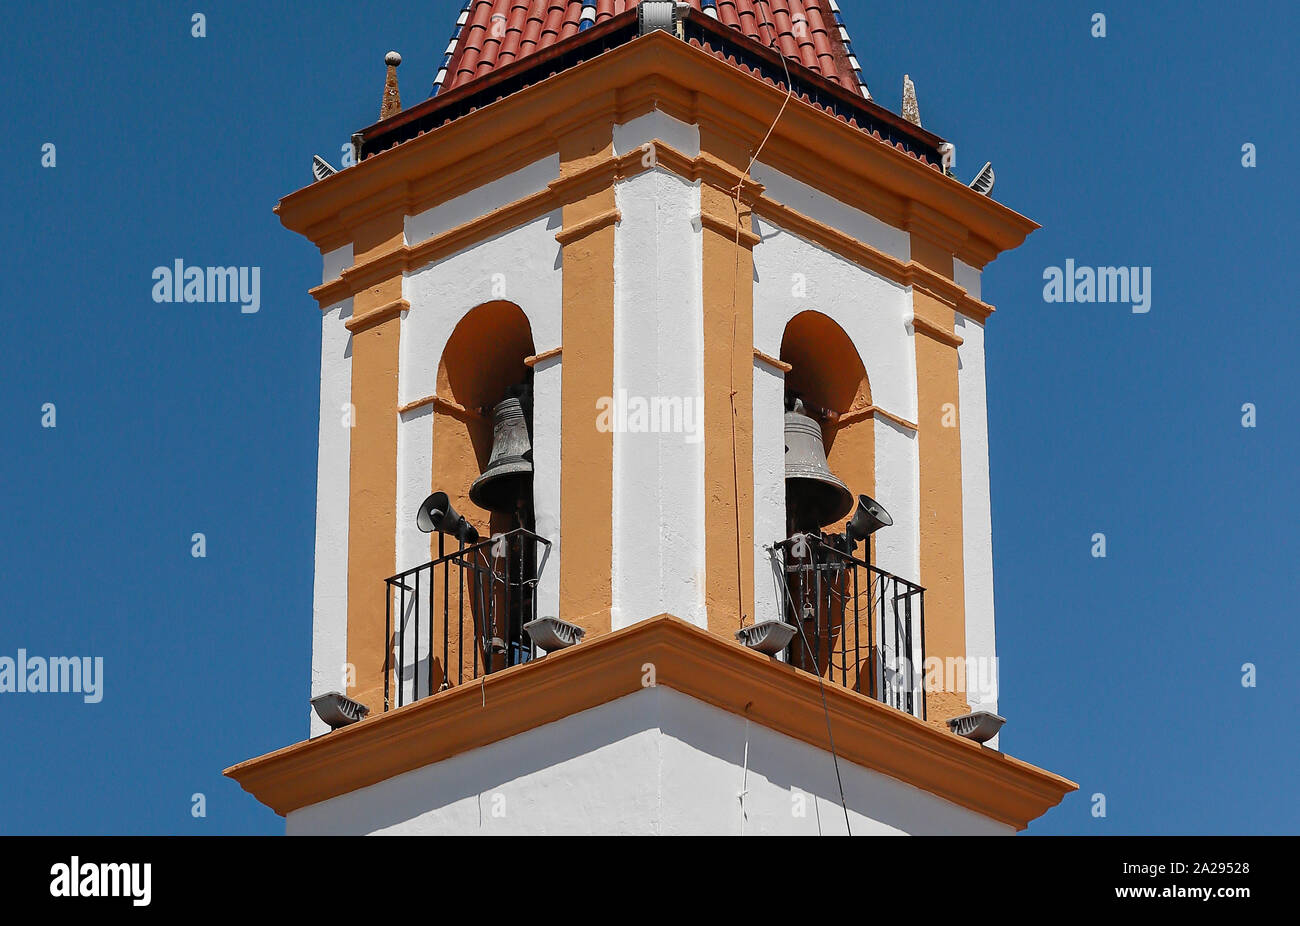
(814, 496)
(509, 473)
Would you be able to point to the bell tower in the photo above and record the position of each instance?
(653, 448)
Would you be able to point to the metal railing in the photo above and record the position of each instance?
(461, 615)
(856, 625)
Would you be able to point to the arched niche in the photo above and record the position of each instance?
(826, 371)
(483, 357)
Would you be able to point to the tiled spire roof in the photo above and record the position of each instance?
(493, 33)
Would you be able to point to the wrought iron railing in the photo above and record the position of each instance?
(461, 615)
(856, 625)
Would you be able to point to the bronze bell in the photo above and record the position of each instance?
(814, 496)
(508, 477)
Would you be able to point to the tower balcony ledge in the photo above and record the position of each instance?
(659, 651)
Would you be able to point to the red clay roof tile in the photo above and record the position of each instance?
(499, 32)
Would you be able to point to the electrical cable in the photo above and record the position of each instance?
(735, 468)
(735, 284)
(744, 778)
(821, 687)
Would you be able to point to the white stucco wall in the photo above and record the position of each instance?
(658, 505)
(898, 488)
(653, 762)
(828, 210)
(769, 487)
(481, 200)
(977, 527)
(653, 126)
(414, 469)
(330, 585)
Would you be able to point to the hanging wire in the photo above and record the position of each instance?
(735, 285)
(821, 687)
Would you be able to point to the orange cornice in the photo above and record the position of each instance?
(936, 331)
(579, 230)
(707, 168)
(455, 409)
(946, 291)
(687, 659)
(545, 355)
(869, 411)
(939, 228)
(600, 174)
(807, 142)
(374, 316)
(779, 365)
(558, 192)
(730, 227)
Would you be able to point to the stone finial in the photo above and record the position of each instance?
(911, 112)
(392, 102)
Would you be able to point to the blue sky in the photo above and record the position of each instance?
(1123, 673)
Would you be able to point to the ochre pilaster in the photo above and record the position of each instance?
(728, 284)
(587, 375)
(376, 326)
(939, 444)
